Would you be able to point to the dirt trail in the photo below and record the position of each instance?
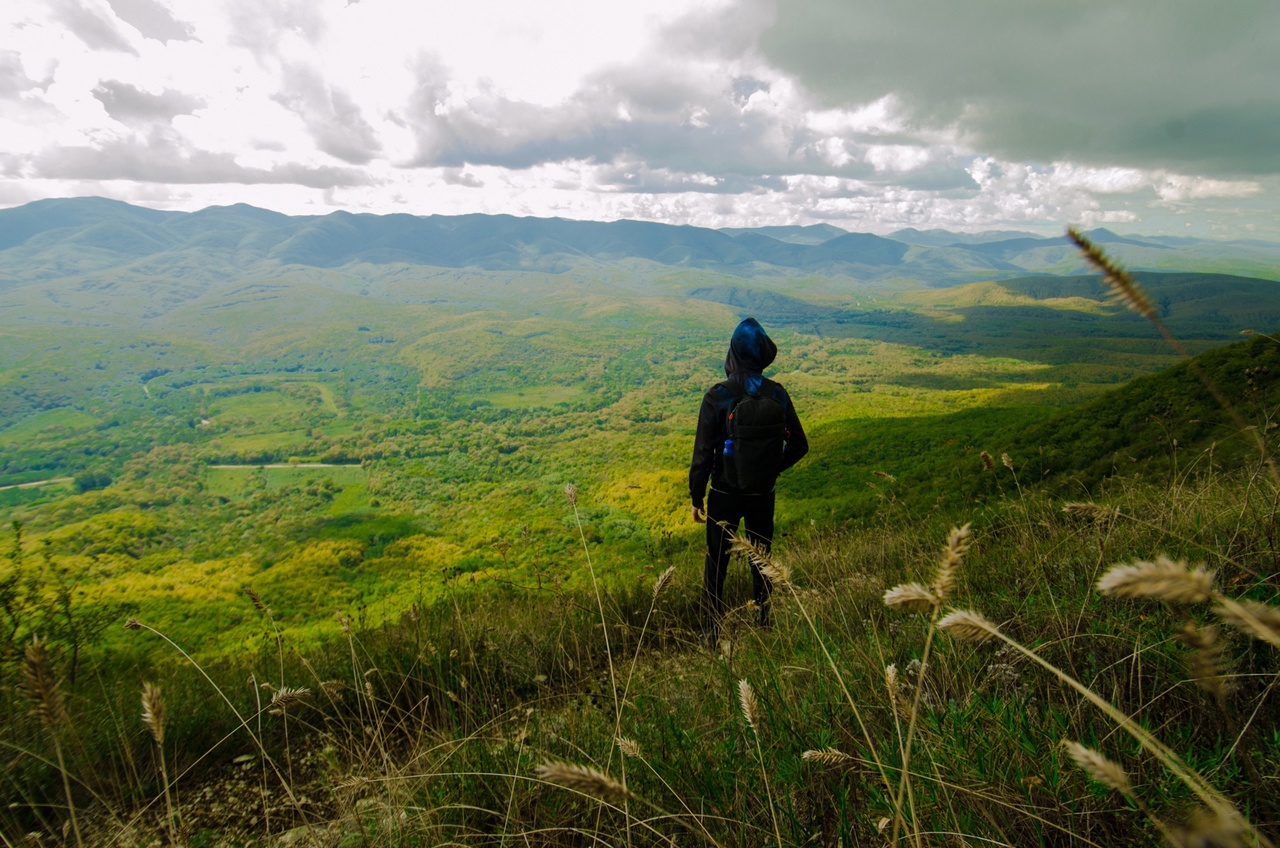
(35, 483)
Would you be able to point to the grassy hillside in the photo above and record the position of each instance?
(378, 450)
(454, 721)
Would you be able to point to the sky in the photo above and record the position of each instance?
(870, 115)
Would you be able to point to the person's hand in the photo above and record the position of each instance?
(699, 517)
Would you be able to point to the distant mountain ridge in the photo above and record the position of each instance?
(54, 238)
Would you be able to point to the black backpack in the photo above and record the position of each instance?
(755, 433)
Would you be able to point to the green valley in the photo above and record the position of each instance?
(356, 419)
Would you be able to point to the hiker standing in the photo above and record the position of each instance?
(748, 434)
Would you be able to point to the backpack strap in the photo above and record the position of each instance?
(767, 388)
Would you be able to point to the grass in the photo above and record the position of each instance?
(233, 481)
(1062, 673)
(433, 727)
(65, 419)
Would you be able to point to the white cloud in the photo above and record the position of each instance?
(730, 112)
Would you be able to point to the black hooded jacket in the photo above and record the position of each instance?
(750, 352)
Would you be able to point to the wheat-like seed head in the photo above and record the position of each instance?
(584, 779)
(891, 679)
(1122, 284)
(743, 544)
(663, 581)
(1256, 619)
(750, 707)
(911, 597)
(571, 494)
(629, 747)
(776, 573)
(1006, 461)
(826, 757)
(884, 475)
(257, 600)
(1163, 579)
(153, 712)
(987, 461)
(1208, 660)
(1092, 511)
(40, 685)
(1207, 828)
(132, 623)
(286, 695)
(1099, 767)
(952, 558)
(968, 626)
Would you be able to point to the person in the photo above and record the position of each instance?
(750, 352)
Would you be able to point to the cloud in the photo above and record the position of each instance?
(638, 177)
(459, 177)
(129, 104)
(259, 25)
(1184, 86)
(13, 78)
(161, 158)
(152, 19)
(331, 116)
(91, 25)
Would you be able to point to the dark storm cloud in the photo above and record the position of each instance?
(162, 159)
(152, 19)
(129, 104)
(95, 29)
(1184, 85)
(331, 116)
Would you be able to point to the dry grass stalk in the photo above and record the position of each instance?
(968, 626)
(1099, 767)
(153, 715)
(571, 494)
(286, 695)
(40, 685)
(988, 462)
(1251, 617)
(153, 712)
(584, 779)
(629, 747)
(911, 597)
(1208, 662)
(1006, 461)
(1092, 511)
(776, 573)
(884, 475)
(1211, 829)
(1163, 580)
(952, 558)
(750, 707)
(826, 757)
(1122, 284)
(257, 600)
(663, 581)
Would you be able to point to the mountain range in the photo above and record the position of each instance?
(57, 238)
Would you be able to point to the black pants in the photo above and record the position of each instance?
(724, 511)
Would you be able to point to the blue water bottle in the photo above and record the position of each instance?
(728, 447)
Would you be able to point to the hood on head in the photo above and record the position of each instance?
(750, 349)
